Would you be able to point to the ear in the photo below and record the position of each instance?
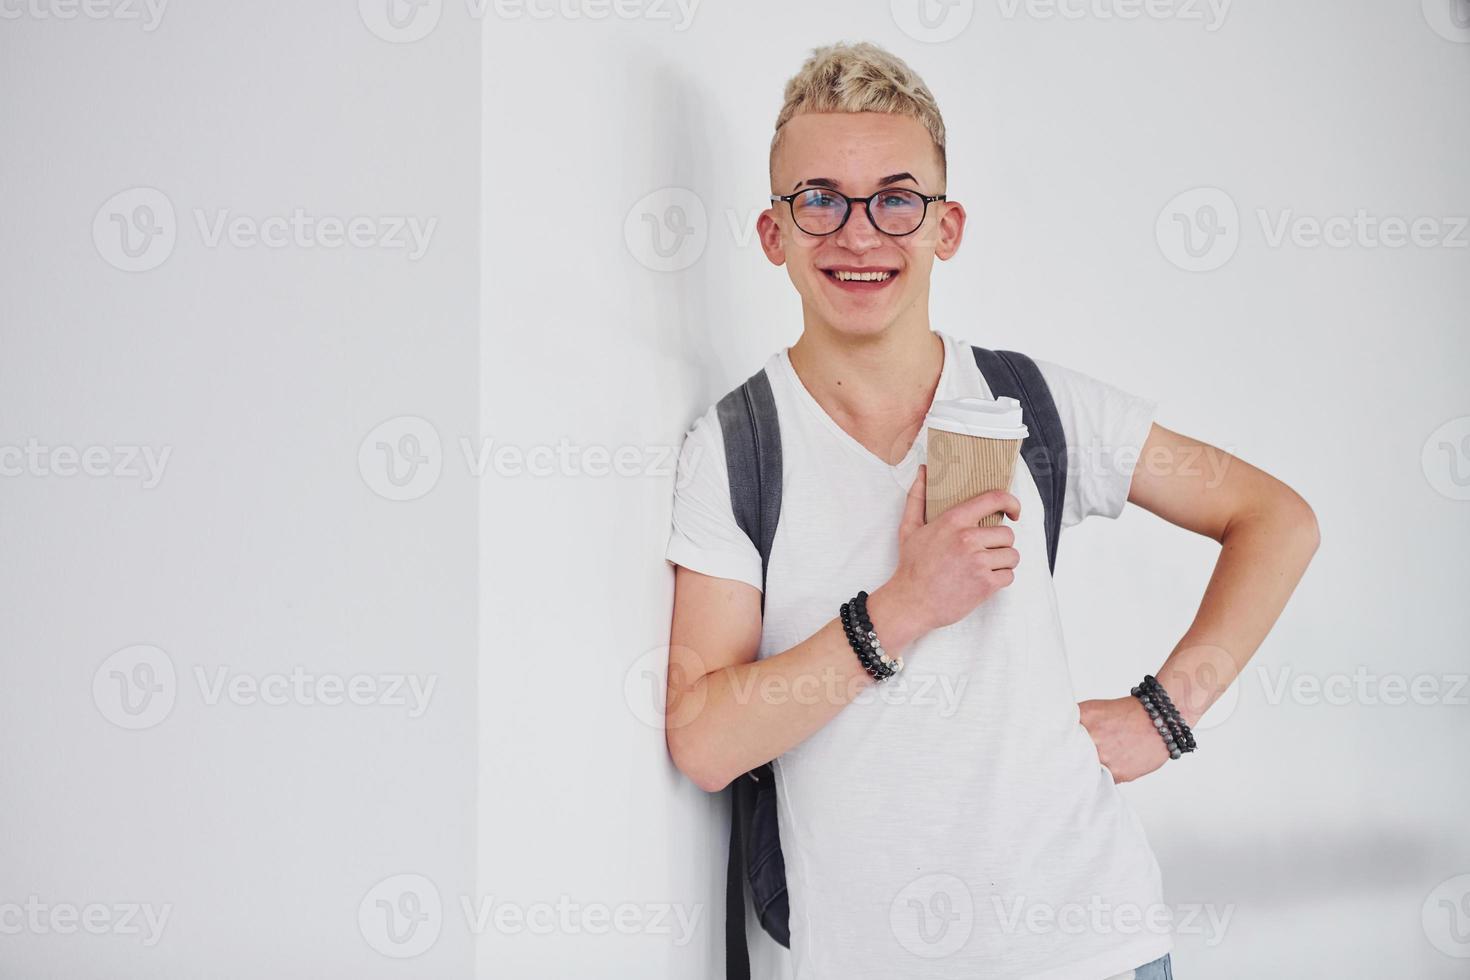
(769, 231)
(951, 230)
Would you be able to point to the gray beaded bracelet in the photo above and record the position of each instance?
(1166, 718)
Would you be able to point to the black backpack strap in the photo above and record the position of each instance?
(1014, 375)
(753, 457)
(737, 957)
(752, 436)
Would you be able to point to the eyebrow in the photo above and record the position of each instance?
(836, 185)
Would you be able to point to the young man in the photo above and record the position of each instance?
(902, 819)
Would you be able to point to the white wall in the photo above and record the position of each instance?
(1320, 829)
(259, 830)
(273, 836)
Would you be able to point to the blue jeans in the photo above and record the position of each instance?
(1159, 969)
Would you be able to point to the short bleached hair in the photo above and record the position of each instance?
(859, 77)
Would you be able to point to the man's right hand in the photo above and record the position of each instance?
(947, 568)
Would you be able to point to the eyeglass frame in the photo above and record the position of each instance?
(928, 199)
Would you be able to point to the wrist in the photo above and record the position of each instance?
(1191, 700)
(1165, 716)
(897, 618)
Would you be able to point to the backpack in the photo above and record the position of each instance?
(753, 457)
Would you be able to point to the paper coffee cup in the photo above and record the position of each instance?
(972, 448)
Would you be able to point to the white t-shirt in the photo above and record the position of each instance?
(954, 822)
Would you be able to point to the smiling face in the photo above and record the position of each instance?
(858, 280)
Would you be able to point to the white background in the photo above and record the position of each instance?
(264, 546)
(541, 318)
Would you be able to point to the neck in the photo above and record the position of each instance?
(888, 377)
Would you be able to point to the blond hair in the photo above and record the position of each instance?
(859, 77)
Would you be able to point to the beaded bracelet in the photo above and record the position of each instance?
(1175, 732)
(857, 637)
(864, 639)
(1156, 691)
(1165, 716)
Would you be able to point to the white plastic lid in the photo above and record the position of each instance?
(990, 419)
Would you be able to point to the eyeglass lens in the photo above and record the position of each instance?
(820, 212)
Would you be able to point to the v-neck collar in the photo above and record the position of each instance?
(843, 436)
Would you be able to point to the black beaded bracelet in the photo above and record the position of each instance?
(876, 653)
(1165, 716)
(857, 638)
(864, 652)
(864, 639)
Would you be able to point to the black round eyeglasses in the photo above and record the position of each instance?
(895, 211)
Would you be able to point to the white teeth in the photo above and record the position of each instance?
(861, 276)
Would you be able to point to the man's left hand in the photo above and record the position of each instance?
(1126, 739)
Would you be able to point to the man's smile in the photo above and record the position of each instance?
(859, 279)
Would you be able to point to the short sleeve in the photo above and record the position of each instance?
(1106, 428)
(705, 536)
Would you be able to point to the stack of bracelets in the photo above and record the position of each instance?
(864, 639)
(1165, 716)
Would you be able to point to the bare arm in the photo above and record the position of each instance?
(1267, 536)
(728, 712)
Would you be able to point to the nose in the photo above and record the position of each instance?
(859, 232)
